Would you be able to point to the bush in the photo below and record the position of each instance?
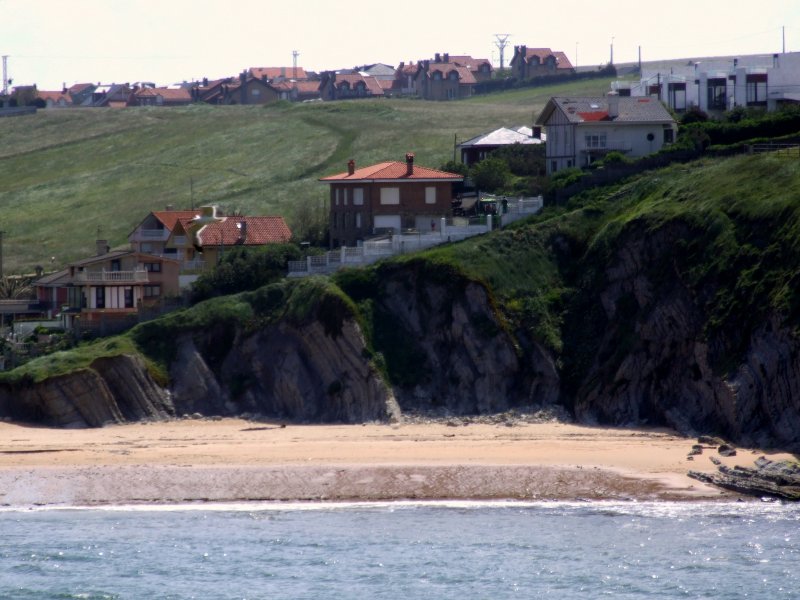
(490, 174)
(244, 269)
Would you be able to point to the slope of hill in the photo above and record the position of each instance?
(68, 175)
(672, 299)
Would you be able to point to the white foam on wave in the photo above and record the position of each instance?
(652, 509)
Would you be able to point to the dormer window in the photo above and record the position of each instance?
(452, 76)
(437, 76)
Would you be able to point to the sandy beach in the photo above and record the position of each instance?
(238, 460)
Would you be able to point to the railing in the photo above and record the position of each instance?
(454, 230)
(783, 150)
(151, 234)
(196, 264)
(137, 276)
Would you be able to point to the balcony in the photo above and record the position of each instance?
(137, 276)
(150, 235)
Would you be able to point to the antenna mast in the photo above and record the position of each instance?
(501, 43)
(295, 54)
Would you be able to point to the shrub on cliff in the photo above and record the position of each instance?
(243, 269)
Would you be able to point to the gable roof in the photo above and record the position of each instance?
(169, 218)
(465, 76)
(371, 84)
(248, 231)
(168, 94)
(473, 64)
(562, 62)
(54, 96)
(595, 109)
(393, 170)
(500, 137)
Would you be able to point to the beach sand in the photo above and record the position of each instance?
(236, 460)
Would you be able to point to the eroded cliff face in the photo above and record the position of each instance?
(111, 390)
(295, 372)
(655, 361)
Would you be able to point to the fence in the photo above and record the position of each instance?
(453, 230)
(782, 150)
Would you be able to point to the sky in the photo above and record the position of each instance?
(56, 42)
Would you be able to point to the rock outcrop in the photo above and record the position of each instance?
(111, 390)
(777, 479)
(656, 363)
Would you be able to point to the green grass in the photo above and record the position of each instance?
(69, 176)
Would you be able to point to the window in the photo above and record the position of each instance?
(152, 291)
(100, 297)
(717, 94)
(115, 265)
(452, 76)
(668, 135)
(358, 196)
(344, 196)
(154, 267)
(553, 166)
(595, 140)
(430, 195)
(128, 297)
(437, 76)
(757, 89)
(358, 220)
(390, 195)
(337, 196)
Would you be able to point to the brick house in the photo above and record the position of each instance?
(345, 86)
(387, 197)
(247, 90)
(443, 79)
(538, 62)
(160, 97)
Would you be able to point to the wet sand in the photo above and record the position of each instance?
(237, 460)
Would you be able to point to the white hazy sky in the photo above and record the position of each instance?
(50, 42)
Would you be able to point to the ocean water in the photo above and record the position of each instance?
(434, 551)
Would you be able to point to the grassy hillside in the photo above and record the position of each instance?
(67, 176)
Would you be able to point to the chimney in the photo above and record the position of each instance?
(409, 164)
(170, 207)
(351, 167)
(537, 132)
(613, 105)
(101, 247)
(775, 60)
(242, 225)
(446, 57)
(437, 58)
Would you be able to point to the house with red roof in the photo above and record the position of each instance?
(443, 79)
(208, 244)
(81, 93)
(278, 74)
(387, 197)
(539, 62)
(348, 86)
(582, 130)
(160, 96)
(246, 90)
(54, 99)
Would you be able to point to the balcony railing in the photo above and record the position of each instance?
(137, 276)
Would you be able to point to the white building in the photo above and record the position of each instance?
(719, 84)
(582, 130)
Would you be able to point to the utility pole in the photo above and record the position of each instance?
(611, 62)
(501, 43)
(5, 75)
(2, 233)
(783, 38)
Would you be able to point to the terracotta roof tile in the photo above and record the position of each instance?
(465, 76)
(392, 170)
(248, 231)
(169, 218)
(173, 94)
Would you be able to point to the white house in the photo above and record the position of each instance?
(719, 84)
(582, 130)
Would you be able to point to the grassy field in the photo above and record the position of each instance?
(70, 176)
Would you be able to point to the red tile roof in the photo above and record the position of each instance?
(465, 76)
(393, 170)
(467, 61)
(170, 94)
(601, 115)
(275, 72)
(562, 62)
(353, 78)
(79, 87)
(248, 231)
(170, 217)
(54, 96)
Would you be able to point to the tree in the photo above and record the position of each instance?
(490, 174)
(310, 222)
